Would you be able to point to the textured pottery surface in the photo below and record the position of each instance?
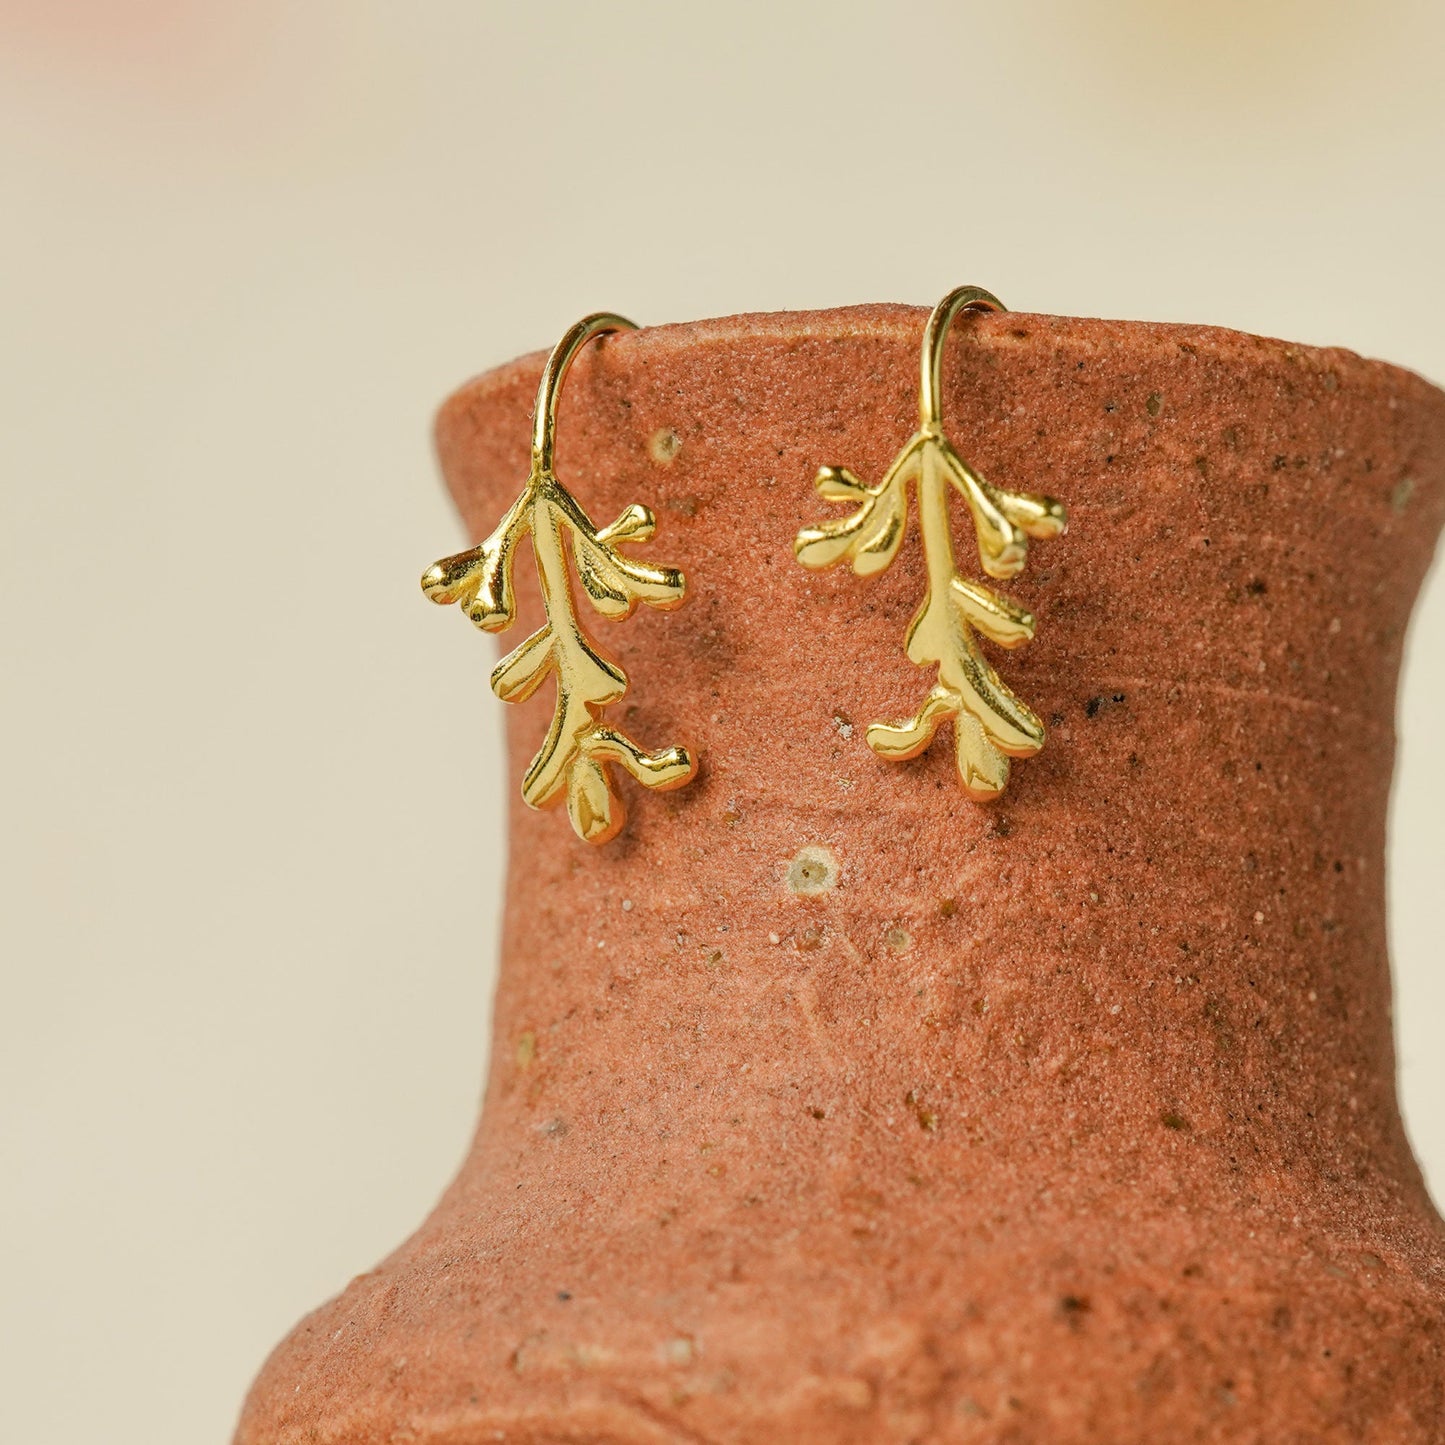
(828, 1106)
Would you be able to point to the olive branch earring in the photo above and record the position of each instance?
(990, 724)
(578, 747)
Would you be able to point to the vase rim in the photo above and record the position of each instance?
(900, 321)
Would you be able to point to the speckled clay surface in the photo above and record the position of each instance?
(1069, 1119)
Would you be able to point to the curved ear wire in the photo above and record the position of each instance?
(573, 762)
(990, 724)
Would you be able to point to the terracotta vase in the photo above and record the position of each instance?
(827, 1105)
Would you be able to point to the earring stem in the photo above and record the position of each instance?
(544, 426)
(930, 393)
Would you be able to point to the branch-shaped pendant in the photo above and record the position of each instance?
(990, 724)
(573, 759)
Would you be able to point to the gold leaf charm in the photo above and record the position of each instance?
(990, 724)
(573, 759)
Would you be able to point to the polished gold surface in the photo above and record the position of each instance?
(990, 724)
(572, 762)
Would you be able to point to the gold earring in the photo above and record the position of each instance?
(573, 758)
(990, 724)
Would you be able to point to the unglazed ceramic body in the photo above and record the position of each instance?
(1066, 1119)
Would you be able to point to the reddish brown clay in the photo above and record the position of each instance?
(1070, 1119)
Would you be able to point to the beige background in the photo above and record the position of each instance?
(246, 249)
